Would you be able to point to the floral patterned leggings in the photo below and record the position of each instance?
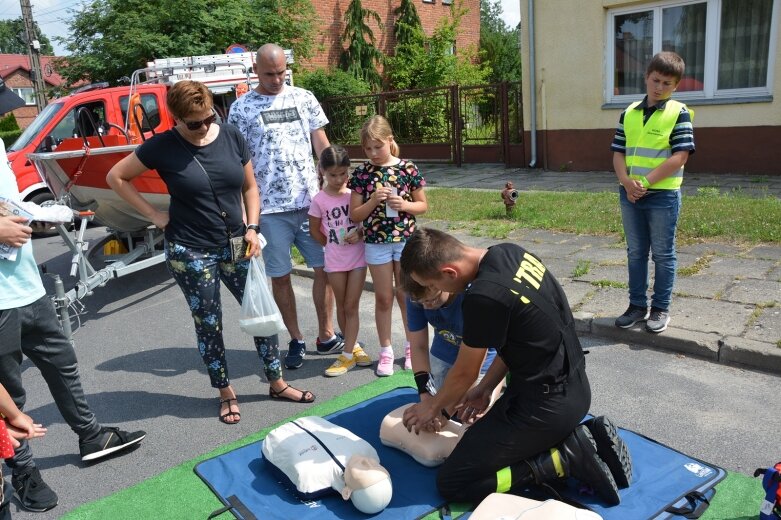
(198, 273)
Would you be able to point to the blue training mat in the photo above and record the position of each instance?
(661, 477)
(241, 478)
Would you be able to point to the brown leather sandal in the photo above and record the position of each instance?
(306, 395)
(224, 417)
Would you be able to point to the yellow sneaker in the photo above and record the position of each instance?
(360, 357)
(340, 366)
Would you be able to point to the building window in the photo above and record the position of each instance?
(26, 93)
(726, 45)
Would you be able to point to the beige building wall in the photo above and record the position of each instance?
(571, 39)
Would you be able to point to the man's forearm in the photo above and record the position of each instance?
(496, 372)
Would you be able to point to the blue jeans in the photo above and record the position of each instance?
(649, 226)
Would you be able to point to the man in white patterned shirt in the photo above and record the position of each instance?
(281, 124)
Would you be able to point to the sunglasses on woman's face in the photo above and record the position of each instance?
(196, 125)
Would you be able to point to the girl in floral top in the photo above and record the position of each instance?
(387, 193)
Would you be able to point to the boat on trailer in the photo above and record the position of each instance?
(75, 172)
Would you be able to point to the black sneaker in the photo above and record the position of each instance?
(632, 315)
(109, 440)
(334, 346)
(657, 321)
(32, 491)
(296, 352)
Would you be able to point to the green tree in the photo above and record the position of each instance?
(361, 56)
(111, 38)
(432, 61)
(499, 44)
(407, 29)
(10, 44)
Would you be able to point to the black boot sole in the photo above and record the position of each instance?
(612, 449)
(596, 473)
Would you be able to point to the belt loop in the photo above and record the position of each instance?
(545, 388)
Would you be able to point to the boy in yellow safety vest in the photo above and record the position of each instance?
(652, 143)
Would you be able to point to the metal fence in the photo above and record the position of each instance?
(446, 124)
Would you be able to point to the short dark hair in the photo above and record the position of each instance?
(411, 287)
(334, 155)
(427, 250)
(667, 63)
(187, 97)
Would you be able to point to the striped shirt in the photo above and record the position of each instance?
(681, 138)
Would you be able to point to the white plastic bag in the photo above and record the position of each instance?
(260, 315)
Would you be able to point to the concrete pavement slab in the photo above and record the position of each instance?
(752, 290)
(561, 267)
(725, 318)
(701, 285)
(608, 274)
(738, 267)
(604, 256)
(576, 291)
(708, 248)
(606, 302)
(765, 252)
(766, 327)
(561, 249)
(686, 260)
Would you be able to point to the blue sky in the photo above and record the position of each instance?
(51, 13)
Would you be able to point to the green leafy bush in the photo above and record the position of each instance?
(9, 136)
(345, 119)
(329, 84)
(8, 123)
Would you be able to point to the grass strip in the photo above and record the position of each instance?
(709, 215)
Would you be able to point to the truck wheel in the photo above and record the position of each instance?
(41, 229)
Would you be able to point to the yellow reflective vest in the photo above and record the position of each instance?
(648, 146)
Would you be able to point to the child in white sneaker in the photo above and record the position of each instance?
(345, 263)
(387, 195)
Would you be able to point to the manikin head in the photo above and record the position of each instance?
(367, 484)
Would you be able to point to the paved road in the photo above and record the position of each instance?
(141, 371)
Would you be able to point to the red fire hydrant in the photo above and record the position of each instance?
(509, 196)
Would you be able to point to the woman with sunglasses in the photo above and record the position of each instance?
(208, 172)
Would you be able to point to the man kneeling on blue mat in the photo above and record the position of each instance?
(532, 434)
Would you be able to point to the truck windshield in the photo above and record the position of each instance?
(38, 124)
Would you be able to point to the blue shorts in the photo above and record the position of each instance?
(379, 254)
(439, 370)
(281, 231)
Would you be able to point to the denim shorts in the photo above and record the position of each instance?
(439, 370)
(281, 231)
(379, 254)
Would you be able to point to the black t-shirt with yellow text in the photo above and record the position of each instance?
(528, 340)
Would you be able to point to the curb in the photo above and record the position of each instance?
(727, 350)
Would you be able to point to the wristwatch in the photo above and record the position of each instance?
(253, 227)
